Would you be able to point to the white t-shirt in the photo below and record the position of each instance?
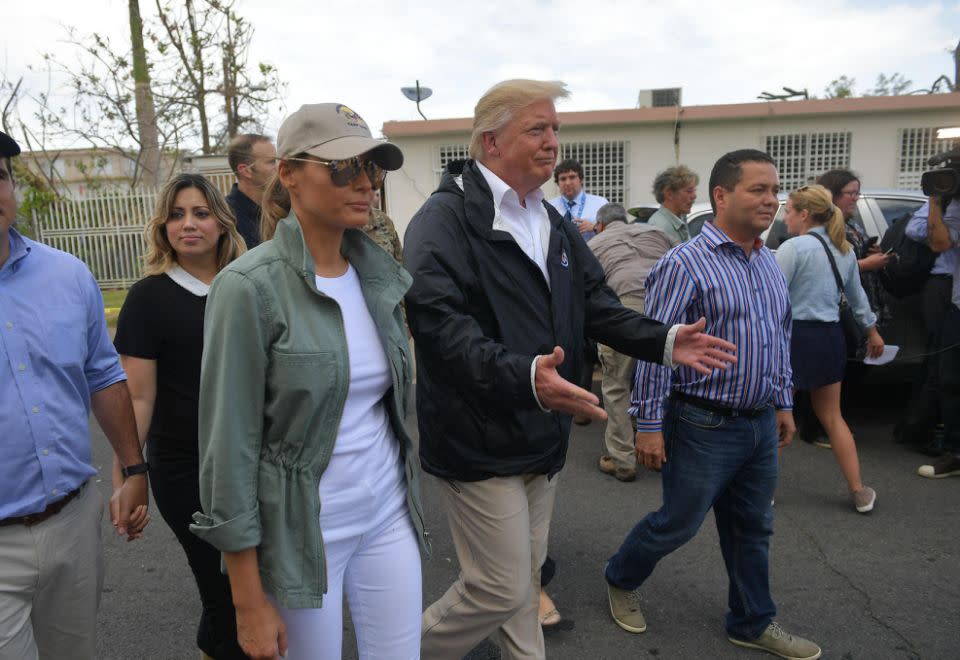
(364, 479)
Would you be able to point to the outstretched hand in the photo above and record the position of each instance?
(556, 393)
(702, 352)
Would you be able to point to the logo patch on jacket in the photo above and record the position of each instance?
(563, 259)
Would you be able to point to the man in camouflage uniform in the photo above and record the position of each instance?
(380, 228)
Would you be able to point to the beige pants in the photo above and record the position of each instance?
(618, 375)
(51, 574)
(499, 528)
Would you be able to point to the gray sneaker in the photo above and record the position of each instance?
(864, 499)
(777, 641)
(625, 609)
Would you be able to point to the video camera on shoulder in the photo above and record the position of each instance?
(944, 181)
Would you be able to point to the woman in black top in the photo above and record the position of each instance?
(190, 238)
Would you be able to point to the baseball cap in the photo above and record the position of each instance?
(333, 131)
(9, 148)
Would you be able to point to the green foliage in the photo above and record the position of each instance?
(840, 88)
(892, 85)
(34, 195)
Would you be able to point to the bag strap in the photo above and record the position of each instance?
(833, 263)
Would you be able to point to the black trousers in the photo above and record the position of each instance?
(924, 410)
(950, 379)
(176, 491)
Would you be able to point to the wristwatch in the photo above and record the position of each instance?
(139, 468)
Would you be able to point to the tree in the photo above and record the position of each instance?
(211, 44)
(893, 85)
(144, 107)
(840, 88)
(162, 93)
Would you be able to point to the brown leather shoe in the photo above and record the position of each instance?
(608, 466)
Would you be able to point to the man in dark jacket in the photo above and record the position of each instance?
(503, 290)
(253, 159)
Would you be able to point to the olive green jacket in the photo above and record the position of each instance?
(273, 384)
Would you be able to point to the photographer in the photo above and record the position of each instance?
(943, 236)
(923, 412)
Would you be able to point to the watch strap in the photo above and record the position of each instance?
(139, 468)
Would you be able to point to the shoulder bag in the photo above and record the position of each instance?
(852, 330)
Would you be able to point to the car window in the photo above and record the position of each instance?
(777, 233)
(892, 209)
(695, 224)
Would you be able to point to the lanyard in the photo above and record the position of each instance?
(583, 201)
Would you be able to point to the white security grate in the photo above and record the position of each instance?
(446, 153)
(801, 157)
(604, 167)
(916, 146)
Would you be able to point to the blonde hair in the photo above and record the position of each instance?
(160, 255)
(497, 106)
(818, 202)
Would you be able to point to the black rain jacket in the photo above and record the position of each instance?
(480, 310)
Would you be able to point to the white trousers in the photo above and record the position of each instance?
(379, 570)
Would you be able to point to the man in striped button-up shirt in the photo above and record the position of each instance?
(723, 430)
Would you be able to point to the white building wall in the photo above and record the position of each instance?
(874, 150)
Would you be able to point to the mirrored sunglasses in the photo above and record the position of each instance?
(342, 172)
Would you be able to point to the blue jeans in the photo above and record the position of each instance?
(730, 464)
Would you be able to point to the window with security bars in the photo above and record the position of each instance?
(604, 167)
(446, 153)
(802, 157)
(916, 146)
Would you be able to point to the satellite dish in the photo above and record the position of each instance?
(417, 94)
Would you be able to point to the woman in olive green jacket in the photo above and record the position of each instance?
(308, 478)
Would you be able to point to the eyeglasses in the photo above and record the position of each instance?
(851, 193)
(342, 172)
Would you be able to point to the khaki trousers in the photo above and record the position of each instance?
(51, 575)
(618, 375)
(499, 528)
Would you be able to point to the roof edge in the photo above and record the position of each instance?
(731, 111)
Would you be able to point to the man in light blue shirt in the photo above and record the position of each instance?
(675, 189)
(580, 208)
(943, 236)
(56, 364)
(574, 203)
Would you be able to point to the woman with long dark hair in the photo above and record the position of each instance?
(190, 238)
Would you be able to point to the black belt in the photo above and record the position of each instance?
(725, 411)
(49, 512)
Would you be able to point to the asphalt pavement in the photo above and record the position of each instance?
(879, 586)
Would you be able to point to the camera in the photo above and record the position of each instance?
(944, 181)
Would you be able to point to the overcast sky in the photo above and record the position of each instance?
(362, 53)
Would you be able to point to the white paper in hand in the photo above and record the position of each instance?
(889, 352)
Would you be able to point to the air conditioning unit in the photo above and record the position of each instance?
(659, 98)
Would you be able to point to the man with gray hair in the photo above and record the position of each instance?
(627, 252)
(502, 290)
(675, 189)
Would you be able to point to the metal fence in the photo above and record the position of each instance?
(106, 232)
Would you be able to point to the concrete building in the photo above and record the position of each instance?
(886, 140)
